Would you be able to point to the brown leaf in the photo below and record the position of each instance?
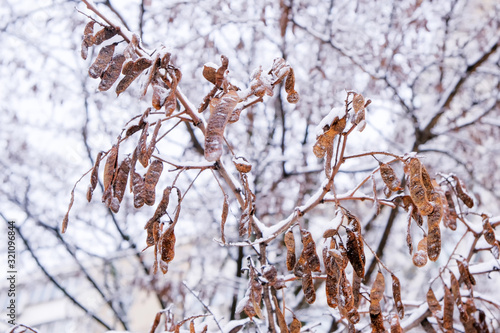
(101, 62)
(111, 74)
(150, 180)
(209, 73)
(217, 123)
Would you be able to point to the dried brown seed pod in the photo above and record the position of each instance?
(150, 180)
(290, 250)
(160, 93)
(451, 217)
(488, 232)
(389, 177)
(110, 167)
(88, 39)
(131, 70)
(295, 325)
(209, 72)
(462, 195)
(395, 325)
(217, 122)
(418, 190)
(120, 182)
(138, 189)
(455, 288)
(324, 142)
(94, 176)
(225, 212)
(167, 244)
(434, 233)
(465, 275)
(448, 310)
(434, 305)
(102, 61)
(309, 251)
(355, 252)
(242, 164)
(331, 285)
(396, 293)
(420, 256)
(111, 74)
(377, 293)
(104, 34)
(308, 288)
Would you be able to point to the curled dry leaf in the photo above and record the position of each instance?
(290, 250)
(150, 181)
(94, 176)
(102, 61)
(420, 256)
(219, 115)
